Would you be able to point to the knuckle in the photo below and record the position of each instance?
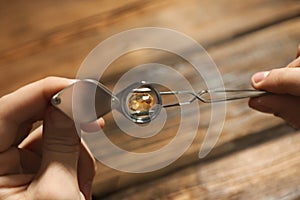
(62, 145)
(278, 79)
(46, 83)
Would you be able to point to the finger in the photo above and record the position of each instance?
(15, 161)
(294, 63)
(86, 171)
(10, 161)
(29, 161)
(30, 103)
(284, 106)
(279, 81)
(15, 180)
(31, 151)
(22, 132)
(61, 147)
(93, 126)
(33, 142)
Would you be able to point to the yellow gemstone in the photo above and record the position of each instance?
(141, 102)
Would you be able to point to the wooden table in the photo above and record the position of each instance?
(256, 157)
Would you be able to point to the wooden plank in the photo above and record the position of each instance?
(60, 49)
(266, 171)
(240, 122)
(77, 17)
(36, 20)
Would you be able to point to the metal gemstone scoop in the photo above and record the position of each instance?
(86, 100)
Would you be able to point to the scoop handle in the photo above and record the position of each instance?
(85, 100)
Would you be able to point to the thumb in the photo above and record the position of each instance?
(57, 177)
(61, 142)
(278, 81)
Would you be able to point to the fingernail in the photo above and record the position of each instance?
(74, 81)
(101, 122)
(258, 77)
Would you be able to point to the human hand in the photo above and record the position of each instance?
(48, 163)
(284, 84)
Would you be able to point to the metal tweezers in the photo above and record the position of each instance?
(212, 96)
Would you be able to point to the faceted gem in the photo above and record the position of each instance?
(140, 102)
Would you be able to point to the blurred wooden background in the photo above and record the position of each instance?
(257, 155)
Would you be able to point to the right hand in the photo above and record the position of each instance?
(284, 84)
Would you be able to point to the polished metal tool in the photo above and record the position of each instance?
(86, 100)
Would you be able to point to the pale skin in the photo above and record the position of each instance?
(50, 162)
(284, 84)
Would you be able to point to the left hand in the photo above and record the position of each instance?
(48, 163)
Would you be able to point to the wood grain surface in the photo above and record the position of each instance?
(257, 155)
